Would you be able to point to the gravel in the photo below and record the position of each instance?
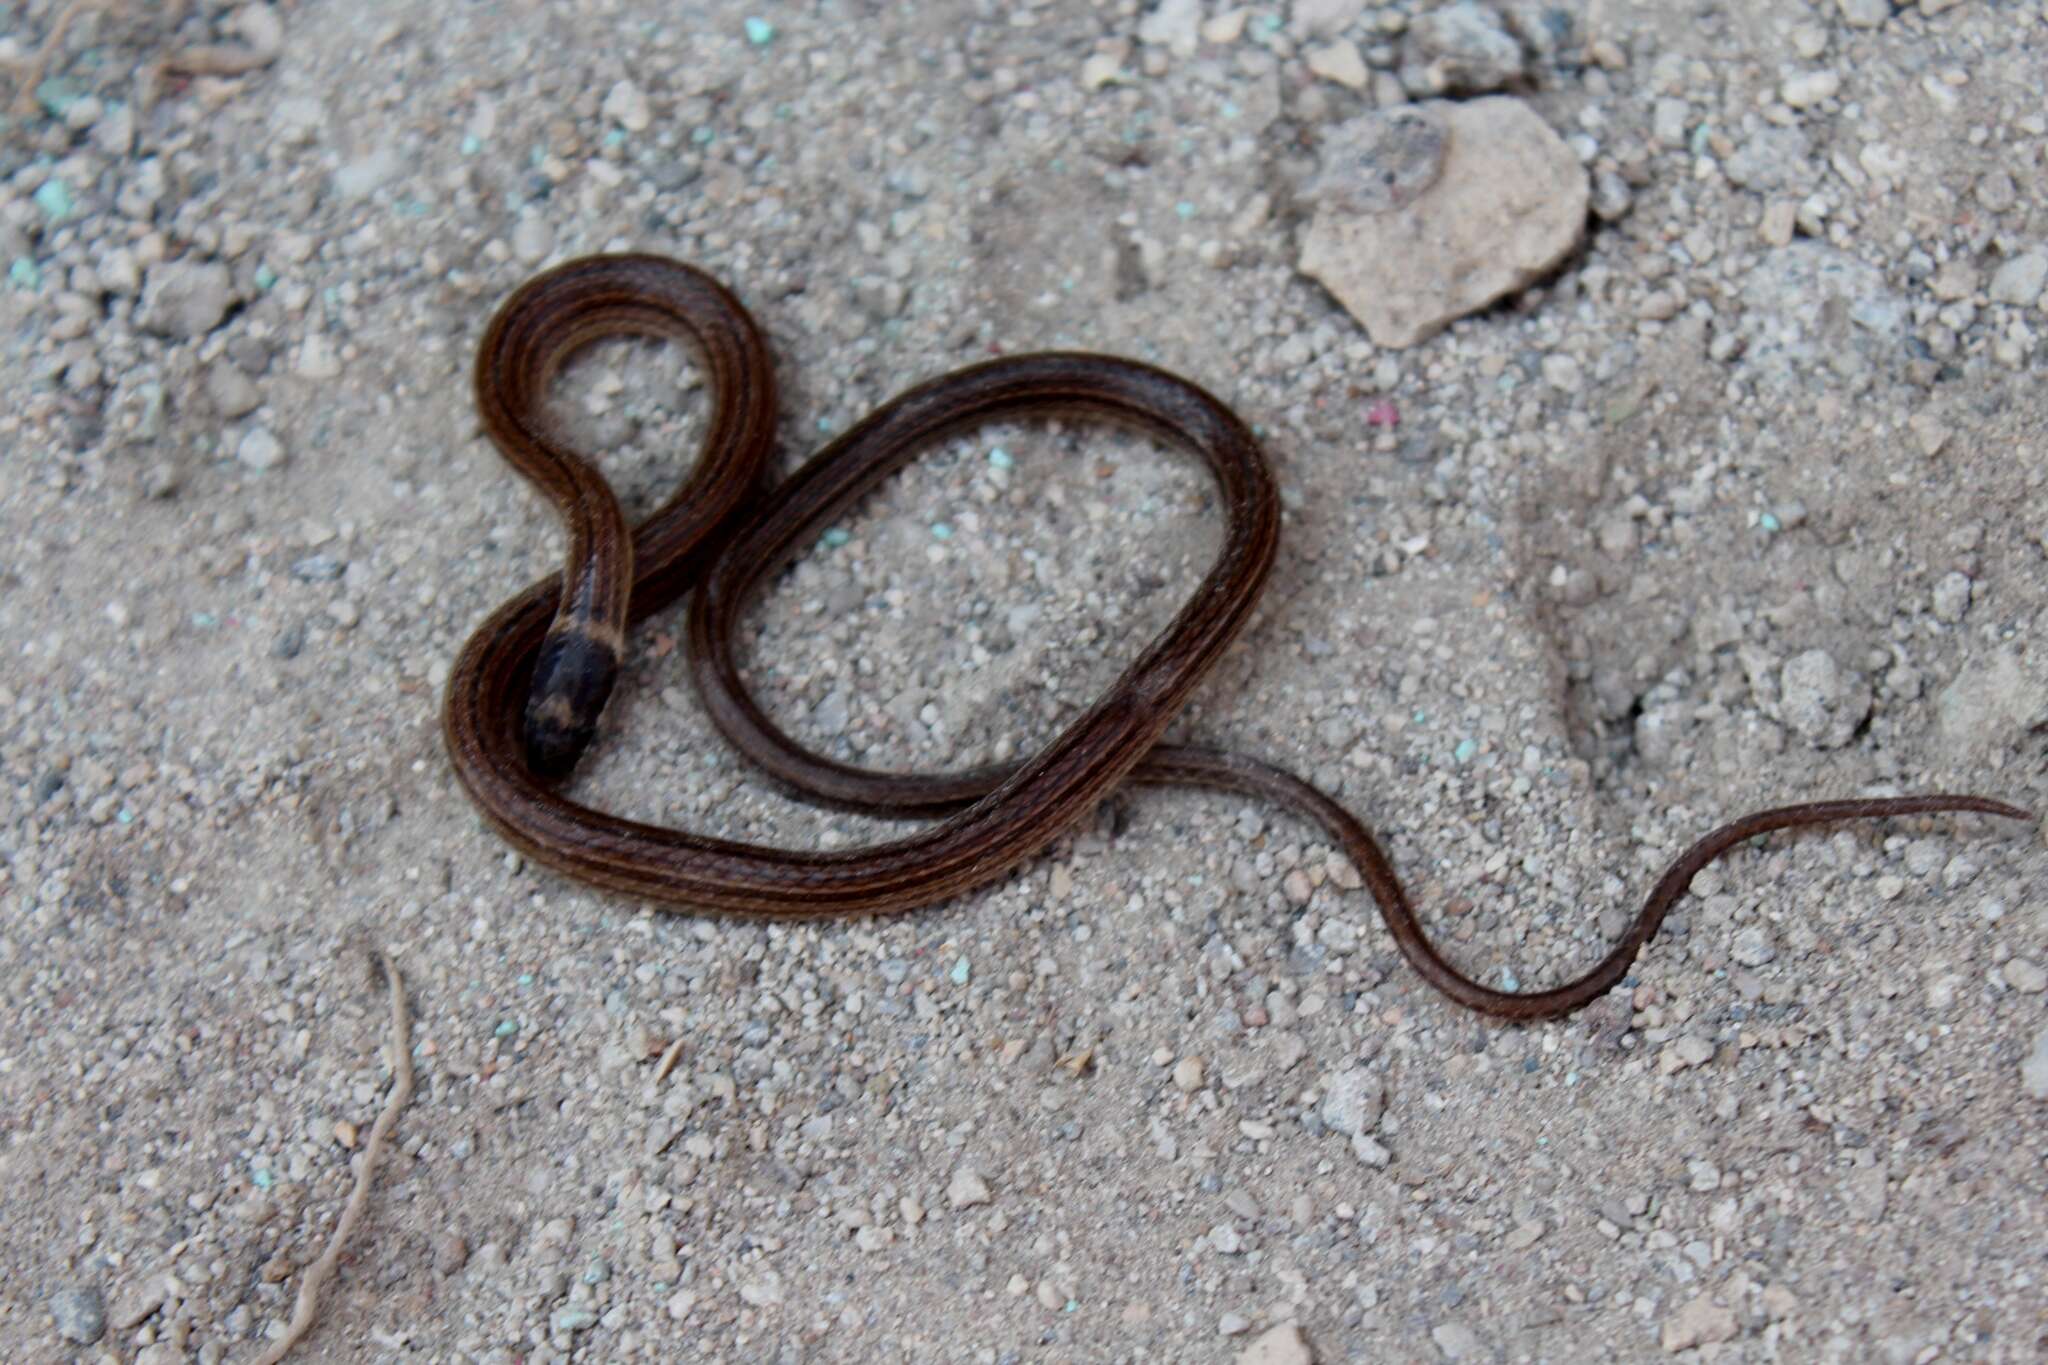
(1732, 501)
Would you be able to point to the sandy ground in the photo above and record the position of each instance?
(1741, 507)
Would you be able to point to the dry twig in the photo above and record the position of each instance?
(258, 25)
(401, 1091)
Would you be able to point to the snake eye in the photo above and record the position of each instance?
(572, 680)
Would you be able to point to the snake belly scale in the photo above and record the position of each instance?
(526, 690)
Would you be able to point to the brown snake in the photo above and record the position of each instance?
(525, 693)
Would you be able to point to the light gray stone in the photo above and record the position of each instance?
(1461, 49)
(2034, 1070)
(185, 299)
(1354, 1102)
(1282, 1345)
(80, 1312)
(1993, 702)
(2020, 280)
(1821, 703)
(1810, 307)
(1507, 204)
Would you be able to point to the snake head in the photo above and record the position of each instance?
(572, 680)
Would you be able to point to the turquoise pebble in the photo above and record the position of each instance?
(56, 95)
(54, 199)
(960, 972)
(760, 32)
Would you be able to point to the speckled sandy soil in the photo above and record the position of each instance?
(1741, 506)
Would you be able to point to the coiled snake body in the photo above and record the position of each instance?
(525, 692)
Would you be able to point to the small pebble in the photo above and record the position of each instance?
(1174, 25)
(1952, 598)
(1700, 1322)
(259, 450)
(531, 240)
(1462, 48)
(1456, 1341)
(1354, 1102)
(2034, 1070)
(2020, 281)
(185, 299)
(967, 1189)
(451, 1253)
(2025, 976)
(764, 1290)
(230, 391)
(1753, 946)
(1809, 88)
(1340, 62)
(368, 174)
(1282, 1345)
(1689, 1051)
(1820, 701)
(81, 1314)
(627, 105)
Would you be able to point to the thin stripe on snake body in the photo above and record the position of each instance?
(527, 688)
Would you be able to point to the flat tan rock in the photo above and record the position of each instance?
(1282, 1345)
(1428, 213)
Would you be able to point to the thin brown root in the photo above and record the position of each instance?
(264, 44)
(401, 1091)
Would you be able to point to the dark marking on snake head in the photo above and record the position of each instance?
(572, 680)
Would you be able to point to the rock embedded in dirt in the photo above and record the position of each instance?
(185, 299)
(80, 1314)
(1282, 1345)
(1354, 1102)
(1461, 49)
(1428, 214)
(1815, 311)
(1994, 701)
(2034, 1070)
(1821, 702)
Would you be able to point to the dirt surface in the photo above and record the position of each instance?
(1741, 507)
